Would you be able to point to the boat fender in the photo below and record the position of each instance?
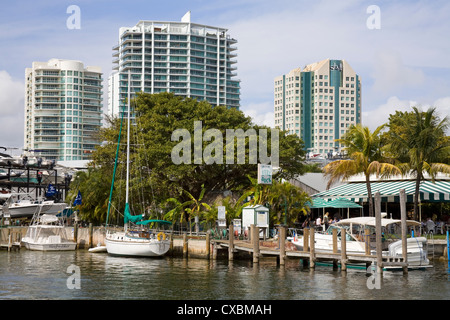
(161, 236)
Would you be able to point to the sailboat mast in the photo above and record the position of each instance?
(128, 138)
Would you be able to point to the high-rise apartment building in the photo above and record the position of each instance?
(318, 103)
(188, 59)
(63, 109)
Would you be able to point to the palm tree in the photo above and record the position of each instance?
(193, 206)
(287, 201)
(365, 152)
(419, 141)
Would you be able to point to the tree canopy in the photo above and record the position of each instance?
(154, 171)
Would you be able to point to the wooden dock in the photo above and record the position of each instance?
(309, 255)
(11, 240)
(309, 252)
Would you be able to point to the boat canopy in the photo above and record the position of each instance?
(371, 221)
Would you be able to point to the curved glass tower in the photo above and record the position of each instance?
(63, 109)
(188, 59)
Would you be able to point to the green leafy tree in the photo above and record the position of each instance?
(155, 176)
(419, 142)
(288, 203)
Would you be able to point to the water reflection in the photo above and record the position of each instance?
(43, 275)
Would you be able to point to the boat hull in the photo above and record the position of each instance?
(42, 237)
(121, 245)
(69, 246)
(324, 243)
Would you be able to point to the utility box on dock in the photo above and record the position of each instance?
(257, 215)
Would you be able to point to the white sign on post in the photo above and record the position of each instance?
(221, 216)
(264, 173)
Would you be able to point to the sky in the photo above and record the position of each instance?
(400, 49)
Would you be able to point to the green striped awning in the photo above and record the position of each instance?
(439, 191)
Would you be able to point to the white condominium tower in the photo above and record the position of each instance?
(63, 109)
(318, 103)
(187, 59)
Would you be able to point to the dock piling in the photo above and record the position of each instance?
(312, 250)
(403, 223)
(367, 240)
(282, 239)
(343, 249)
(185, 245)
(230, 242)
(306, 240)
(255, 239)
(208, 244)
(377, 198)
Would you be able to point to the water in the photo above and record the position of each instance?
(30, 275)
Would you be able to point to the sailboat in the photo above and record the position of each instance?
(137, 241)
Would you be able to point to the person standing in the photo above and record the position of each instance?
(326, 221)
(318, 222)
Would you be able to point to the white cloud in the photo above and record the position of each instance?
(380, 114)
(259, 114)
(12, 111)
(390, 74)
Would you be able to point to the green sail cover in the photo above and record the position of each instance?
(153, 220)
(129, 217)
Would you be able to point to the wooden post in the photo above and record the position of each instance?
(306, 240)
(343, 249)
(9, 239)
(378, 231)
(208, 244)
(335, 240)
(185, 245)
(75, 234)
(171, 245)
(230, 242)
(255, 237)
(91, 233)
(214, 255)
(404, 227)
(282, 240)
(312, 250)
(367, 240)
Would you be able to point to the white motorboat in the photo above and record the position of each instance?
(47, 233)
(22, 205)
(139, 242)
(25, 207)
(416, 247)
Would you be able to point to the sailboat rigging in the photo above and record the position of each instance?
(139, 242)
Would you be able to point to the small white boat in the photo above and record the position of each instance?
(98, 248)
(47, 233)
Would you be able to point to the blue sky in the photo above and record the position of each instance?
(403, 63)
